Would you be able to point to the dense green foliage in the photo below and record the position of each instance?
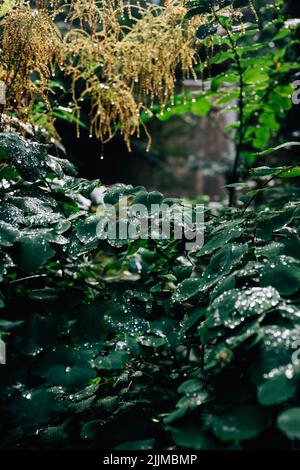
(251, 64)
(142, 345)
(138, 344)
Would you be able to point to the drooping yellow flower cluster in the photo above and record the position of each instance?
(119, 57)
(30, 50)
(125, 69)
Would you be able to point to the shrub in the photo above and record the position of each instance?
(140, 344)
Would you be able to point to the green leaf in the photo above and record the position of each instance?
(220, 239)
(280, 172)
(191, 318)
(29, 158)
(60, 166)
(36, 334)
(289, 423)
(222, 262)
(11, 214)
(269, 221)
(86, 229)
(286, 145)
(89, 326)
(262, 136)
(190, 386)
(233, 307)
(69, 377)
(115, 360)
(255, 74)
(148, 199)
(273, 351)
(256, 300)
(222, 79)
(91, 429)
(34, 409)
(187, 289)
(191, 436)
(240, 423)
(47, 294)
(193, 400)
(222, 57)
(8, 234)
(152, 341)
(7, 325)
(283, 274)
(125, 315)
(279, 387)
(113, 194)
(32, 252)
(206, 30)
(52, 437)
(201, 106)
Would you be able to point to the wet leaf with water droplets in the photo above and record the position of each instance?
(29, 158)
(280, 385)
(69, 377)
(240, 423)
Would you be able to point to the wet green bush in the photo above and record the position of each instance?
(139, 344)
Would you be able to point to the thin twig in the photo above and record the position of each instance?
(27, 278)
(235, 175)
(284, 170)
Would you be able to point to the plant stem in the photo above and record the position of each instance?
(234, 178)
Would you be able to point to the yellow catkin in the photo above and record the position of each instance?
(126, 70)
(31, 48)
(120, 58)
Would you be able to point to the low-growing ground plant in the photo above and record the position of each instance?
(140, 343)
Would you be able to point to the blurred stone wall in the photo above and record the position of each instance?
(189, 157)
